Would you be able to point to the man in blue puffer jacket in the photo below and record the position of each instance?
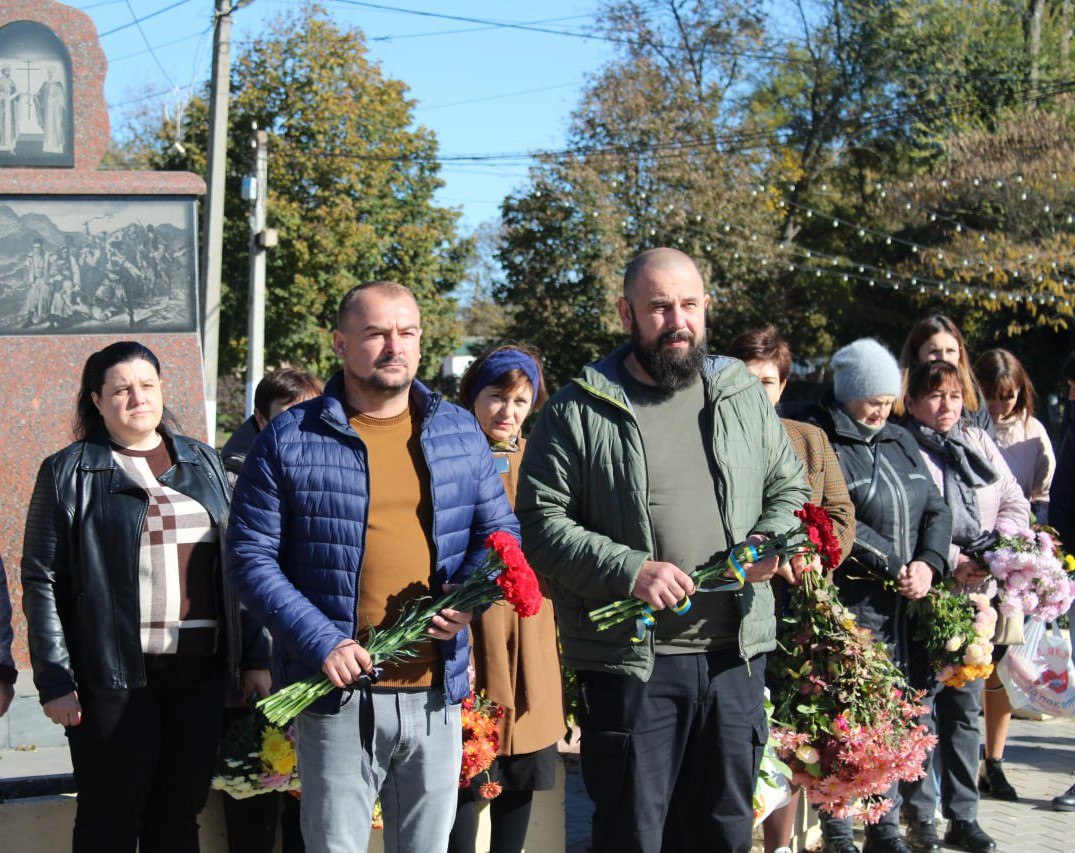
(347, 507)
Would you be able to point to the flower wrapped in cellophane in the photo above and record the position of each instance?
(481, 742)
(844, 720)
(813, 536)
(504, 574)
(1030, 572)
(256, 757)
(956, 630)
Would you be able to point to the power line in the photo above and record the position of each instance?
(114, 59)
(477, 29)
(150, 95)
(152, 52)
(138, 20)
(527, 27)
(425, 108)
(535, 27)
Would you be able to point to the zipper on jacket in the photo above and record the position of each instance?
(722, 493)
(645, 468)
(434, 403)
(364, 456)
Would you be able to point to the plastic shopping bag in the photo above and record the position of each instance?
(1039, 675)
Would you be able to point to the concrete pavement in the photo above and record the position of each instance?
(1039, 762)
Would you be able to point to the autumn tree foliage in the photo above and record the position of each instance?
(350, 191)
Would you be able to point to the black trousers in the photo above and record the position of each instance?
(143, 758)
(251, 822)
(671, 762)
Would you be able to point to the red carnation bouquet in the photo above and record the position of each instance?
(813, 536)
(481, 742)
(503, 575)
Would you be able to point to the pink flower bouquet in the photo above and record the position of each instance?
(1030, 573)
(844, 722)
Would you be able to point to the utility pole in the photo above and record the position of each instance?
(261, 239)
(213, 220)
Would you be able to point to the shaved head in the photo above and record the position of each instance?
(352, 298)
(665, 259)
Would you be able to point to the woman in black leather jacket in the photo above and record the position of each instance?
(132, 638)
(903, 530)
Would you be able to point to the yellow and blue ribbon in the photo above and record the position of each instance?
(750, 553)
(645, 622)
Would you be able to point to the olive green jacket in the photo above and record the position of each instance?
(583, 504)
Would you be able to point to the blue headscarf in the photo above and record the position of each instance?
(500, 362)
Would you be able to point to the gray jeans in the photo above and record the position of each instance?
(954, 719)
(417, 753)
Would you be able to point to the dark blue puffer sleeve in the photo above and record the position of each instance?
(259, 513)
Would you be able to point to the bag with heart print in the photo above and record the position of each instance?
(1039, 674)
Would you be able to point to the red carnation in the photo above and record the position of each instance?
(516, 578)
(818, 528)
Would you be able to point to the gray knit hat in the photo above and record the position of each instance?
(864, 368)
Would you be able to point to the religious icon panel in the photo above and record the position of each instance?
(35, 97)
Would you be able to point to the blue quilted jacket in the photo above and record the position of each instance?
(298, 518)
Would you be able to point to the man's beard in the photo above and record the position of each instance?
(383, 384)
(671, 369)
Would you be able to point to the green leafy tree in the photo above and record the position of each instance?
(657, 157)
(481, 316)
(350, 191)
(869, 107)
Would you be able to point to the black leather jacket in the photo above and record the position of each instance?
(80, 565)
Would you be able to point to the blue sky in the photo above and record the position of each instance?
(484, 90)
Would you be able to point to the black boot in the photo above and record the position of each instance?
(991, 781)
(967, 835)
(886, 844)
(922, 836)
(1066, 801)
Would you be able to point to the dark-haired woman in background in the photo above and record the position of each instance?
(768, 357)
(980, 491)
(936, 338)
(131, 641)
(1026, 448)
(516, 661)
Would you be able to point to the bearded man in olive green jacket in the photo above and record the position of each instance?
(651, 464)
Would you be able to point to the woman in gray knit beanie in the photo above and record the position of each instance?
(903, 530)
(866, 382)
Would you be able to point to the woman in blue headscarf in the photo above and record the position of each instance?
(516, 661)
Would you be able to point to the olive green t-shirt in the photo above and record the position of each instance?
(687, 527)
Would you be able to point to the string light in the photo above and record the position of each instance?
(888, 277)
